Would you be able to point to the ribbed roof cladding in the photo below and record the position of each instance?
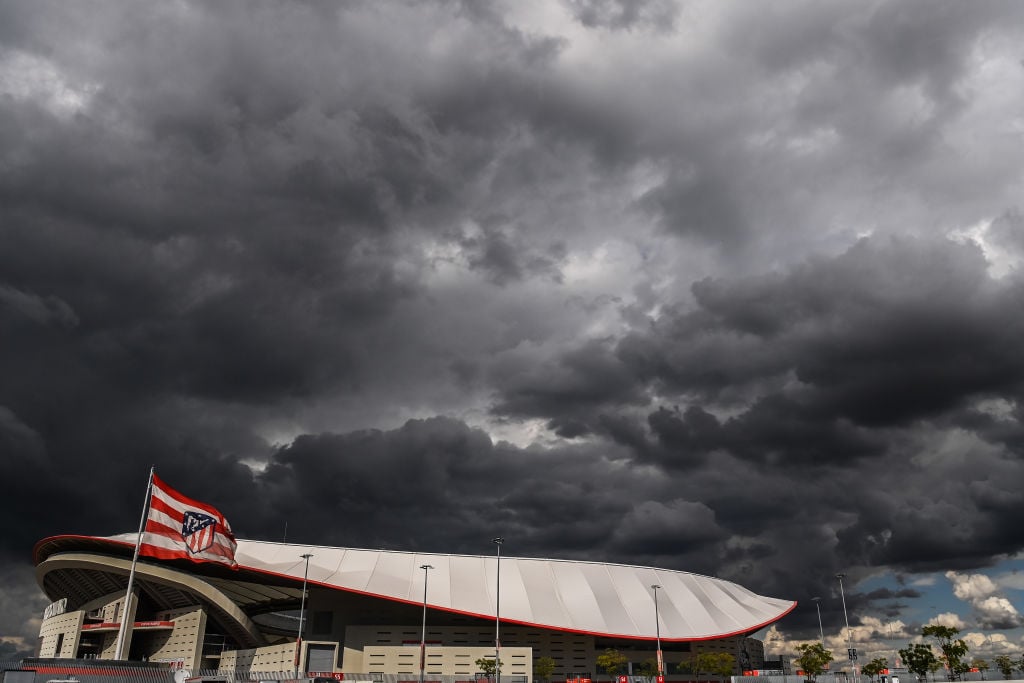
(591, 597)
(611, 600)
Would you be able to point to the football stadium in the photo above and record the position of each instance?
(202, 601)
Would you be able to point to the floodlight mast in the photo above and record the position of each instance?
(497, 613)
(821, 630)
(657, 631)
(302, 613)
(423, 632)
(849, 634)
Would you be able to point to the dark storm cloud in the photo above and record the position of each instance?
(856, 356)
(438, 485)
(886, 333)
(568, 391)
(504, 259)
(624, 14)
(889, 594)
(247, 242)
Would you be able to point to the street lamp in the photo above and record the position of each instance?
(423, 633)
(895, 652)
(302, 613)
(821, 631)
(657, 630)
(497, 612)
(849, 634)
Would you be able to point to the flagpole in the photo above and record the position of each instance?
(123, 629)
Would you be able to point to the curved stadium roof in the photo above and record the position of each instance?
(611, 600)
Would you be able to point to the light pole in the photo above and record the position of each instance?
(497, 613)
(302, 613)
(657, 630)
(849, 634)
(895, 652)
(423, 633)
(821, 631)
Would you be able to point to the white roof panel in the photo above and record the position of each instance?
(590, 597)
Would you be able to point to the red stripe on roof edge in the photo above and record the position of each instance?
(450, 610)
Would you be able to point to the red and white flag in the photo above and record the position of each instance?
(178, 527)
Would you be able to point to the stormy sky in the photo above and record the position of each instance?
(727, 287)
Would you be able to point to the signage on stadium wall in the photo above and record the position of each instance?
(176, 664)
(137, 624)
(337, 675)
(55, 608)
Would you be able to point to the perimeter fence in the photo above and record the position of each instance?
(93, 671)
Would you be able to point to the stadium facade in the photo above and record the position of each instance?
(363, 615)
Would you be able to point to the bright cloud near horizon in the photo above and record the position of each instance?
(722, 287)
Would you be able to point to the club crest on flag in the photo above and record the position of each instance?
(180, 528)
(198, 531)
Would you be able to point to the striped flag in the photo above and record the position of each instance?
(178, 527)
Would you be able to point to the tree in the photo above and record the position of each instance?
(981, 665)
(713, 664)
(1005, 666)
(953, 649)
(487, 666)
(726, 664)
(919, 659)
(648, 669)
(875, 667)
(543, 667)
(813, 659)
(611, 662)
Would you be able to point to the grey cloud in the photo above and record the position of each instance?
(251, 241)
(699, 202)
(874, 339)
(1007, 230)
(19, 438)
(570, 391)
(502, 256)
(624, 14)
(657, 528)
(43, 310)
(874, 336)
(889, 594)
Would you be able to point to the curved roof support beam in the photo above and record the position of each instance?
(242, 627)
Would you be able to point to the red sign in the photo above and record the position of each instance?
(137, 624)
(337, 675)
